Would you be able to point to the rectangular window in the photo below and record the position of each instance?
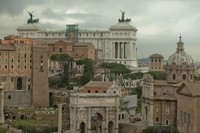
(9, 96)
(185, 117)
(188, 118)
(6, 53)
(174, 76)
(181, 116)
(122, 116)
(156, 119)
(0, 53)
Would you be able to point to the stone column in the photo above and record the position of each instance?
(116, 120)
(2, 121)
(59, 118)
(118, 48)
(106, 121)
(89, 120)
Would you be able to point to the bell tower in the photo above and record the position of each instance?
(40, 91)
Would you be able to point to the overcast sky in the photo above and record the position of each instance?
(159, 22)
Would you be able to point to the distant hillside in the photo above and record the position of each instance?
(146, 61)
(143, 61)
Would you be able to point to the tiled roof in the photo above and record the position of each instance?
(101, 84)
(194, 88)
(156, 55)
(87, 44)
(165, 82)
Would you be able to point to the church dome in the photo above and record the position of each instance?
(180, 56)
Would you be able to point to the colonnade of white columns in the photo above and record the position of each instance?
(121, 50)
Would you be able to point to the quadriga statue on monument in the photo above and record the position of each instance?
(31, 20)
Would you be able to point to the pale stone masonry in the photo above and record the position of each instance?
(94, 112)
(170, 101)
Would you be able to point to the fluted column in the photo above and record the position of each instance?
(89, 121)
(106, 121)
(116, 120)
(118, 48)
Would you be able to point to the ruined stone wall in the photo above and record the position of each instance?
(20, 98)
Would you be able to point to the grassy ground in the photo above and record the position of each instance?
(33, 126)
(2, 130)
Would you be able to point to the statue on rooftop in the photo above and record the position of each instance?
(31, 20)
(122, 20)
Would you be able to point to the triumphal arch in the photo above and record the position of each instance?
(94, 113)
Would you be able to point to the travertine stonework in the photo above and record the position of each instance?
(94, 112)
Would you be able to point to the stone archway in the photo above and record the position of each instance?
(96, 123)
(110, 127)
(82, 127)
(95, 112)
(19, 83)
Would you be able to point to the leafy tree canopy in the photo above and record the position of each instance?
(134, 76)
(61, 57)
(157, 75)
(116, 68)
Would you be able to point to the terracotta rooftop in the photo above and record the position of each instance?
(101, 84)
(194, 88)
(165, 82)
(156, 56)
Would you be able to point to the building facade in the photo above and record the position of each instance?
(18, 61)
(94, 113)
(156, 62)
(118, 44)
(159, 106)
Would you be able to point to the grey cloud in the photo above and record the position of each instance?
(15, 7)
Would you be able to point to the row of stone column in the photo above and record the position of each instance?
(75, 123)
(121, 49)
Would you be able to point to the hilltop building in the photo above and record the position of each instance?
(118, 44)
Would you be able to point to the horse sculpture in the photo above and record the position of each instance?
(31, 20)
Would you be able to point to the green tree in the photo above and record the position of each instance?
(61, 59)
(88, 70)
(119, 70)
(158, 75)
(63, 79)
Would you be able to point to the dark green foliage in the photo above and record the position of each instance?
(137, 91)
(88, 70)
(63, 79)
(134, 76)
(116, 68)
(139, 106)
(160, 129)
(85, 78)
(158, 75)
(65, 75)
(197, 77)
